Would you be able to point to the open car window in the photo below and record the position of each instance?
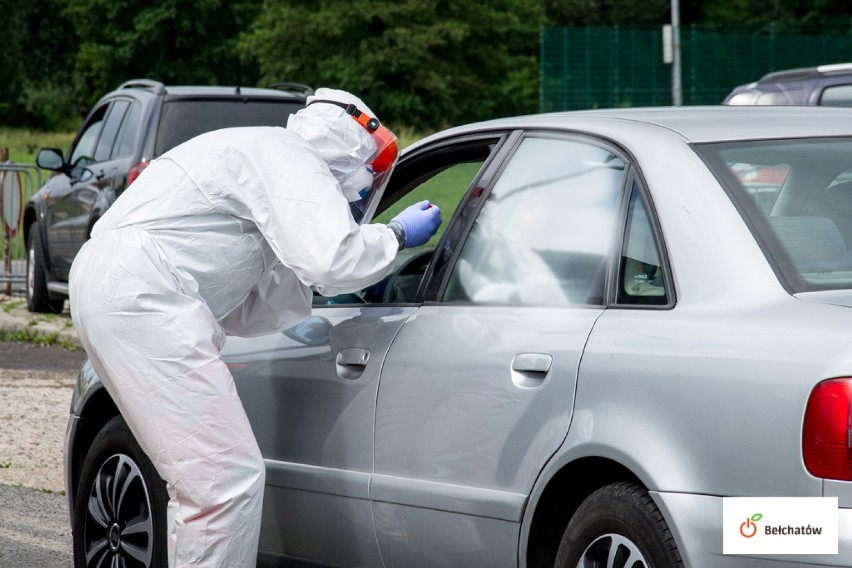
(443, 174)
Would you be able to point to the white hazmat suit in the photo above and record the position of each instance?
(224, 234)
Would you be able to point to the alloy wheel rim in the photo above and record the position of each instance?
(612, 551)
(119, 530)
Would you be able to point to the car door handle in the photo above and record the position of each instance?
(353, 357)
(530, 369)
(351, 362)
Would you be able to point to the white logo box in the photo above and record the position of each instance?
(779, 525)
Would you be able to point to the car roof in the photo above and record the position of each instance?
(213, 92)
(804, 73)
(698, 124)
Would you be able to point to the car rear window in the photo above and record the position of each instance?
(182, 119)
(796, 196)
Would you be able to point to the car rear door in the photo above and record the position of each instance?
(477, 389)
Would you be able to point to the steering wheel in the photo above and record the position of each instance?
(405, 280)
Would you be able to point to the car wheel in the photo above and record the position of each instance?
(38, 298)
(618, 526)
(120, 509)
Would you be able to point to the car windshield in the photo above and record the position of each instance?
(796, 196)
(183, 119)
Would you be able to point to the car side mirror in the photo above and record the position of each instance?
(50, 159)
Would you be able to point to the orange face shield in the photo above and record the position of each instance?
(386, 146)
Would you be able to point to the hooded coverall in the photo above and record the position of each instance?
(224, 234)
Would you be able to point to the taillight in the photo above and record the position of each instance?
(827, 432)
(136, 170)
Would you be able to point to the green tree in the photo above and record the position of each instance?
(605, 13)
(419, 63)
(174, 41)
(818, 17)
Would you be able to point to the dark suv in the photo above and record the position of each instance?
(825, 85)
(125, 130)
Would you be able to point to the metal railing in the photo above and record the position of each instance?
(17, 184)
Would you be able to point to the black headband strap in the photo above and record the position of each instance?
(350, 108)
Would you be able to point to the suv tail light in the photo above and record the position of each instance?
(827, 431)
(136, 170)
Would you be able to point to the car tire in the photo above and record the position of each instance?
(618, 525)
(120, 509)
(38, 297)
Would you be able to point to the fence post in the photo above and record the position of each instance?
(7, 244)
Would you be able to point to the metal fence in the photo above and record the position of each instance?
(585, 68)
(17, 184)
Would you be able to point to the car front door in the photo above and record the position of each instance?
(477, 389)
(310, 392)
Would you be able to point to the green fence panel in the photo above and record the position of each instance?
(582, 68)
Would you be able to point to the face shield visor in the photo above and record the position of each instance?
(379, 166)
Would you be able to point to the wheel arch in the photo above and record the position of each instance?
(98, 410)
(559, 499)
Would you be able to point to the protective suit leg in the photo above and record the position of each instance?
(157, 352)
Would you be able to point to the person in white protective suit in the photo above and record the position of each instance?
(227, 234)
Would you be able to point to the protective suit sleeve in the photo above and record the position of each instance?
(277, 180)
(261, 312)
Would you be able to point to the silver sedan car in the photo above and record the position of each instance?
(628, 316)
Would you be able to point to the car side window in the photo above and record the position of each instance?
(85, 147)
(545, 233)
(837, 96)
(641, 279)
(443, 176)
(129, 130)
(110, 130)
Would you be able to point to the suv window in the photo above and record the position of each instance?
(837, 96)
(129, 130)
(182, 119)
(85, 146)
(110, 131)
(546, 230)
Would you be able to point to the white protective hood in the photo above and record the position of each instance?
(342, 143)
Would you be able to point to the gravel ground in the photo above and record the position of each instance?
(33, 414)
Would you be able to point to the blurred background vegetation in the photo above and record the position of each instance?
(423, 64)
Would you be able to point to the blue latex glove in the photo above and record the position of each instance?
(419, 223)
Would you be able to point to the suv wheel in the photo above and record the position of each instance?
(120, 509)
(618, 525)
(38, 298)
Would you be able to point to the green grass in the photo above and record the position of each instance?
(24, 144)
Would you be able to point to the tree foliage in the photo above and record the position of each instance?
(173, 41)
(419, 63)
(422, 63)
(600, 13)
